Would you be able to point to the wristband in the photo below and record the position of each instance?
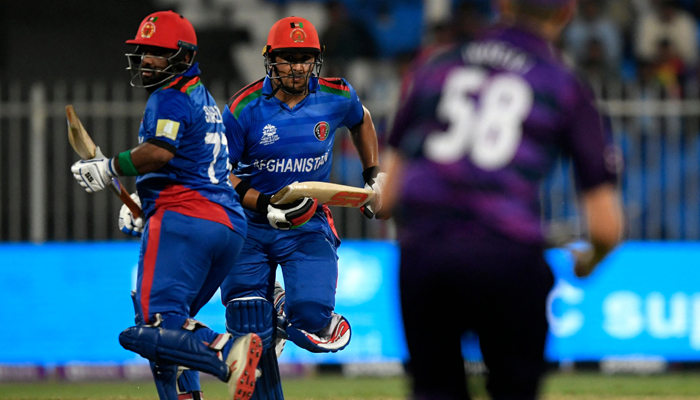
(242, 188)
(262, 203)
(126, 165)
(370, 173)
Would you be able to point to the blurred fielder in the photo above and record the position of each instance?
(281, 130)
(194, 225)
(480, 128)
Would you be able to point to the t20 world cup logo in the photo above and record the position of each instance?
(321, 130)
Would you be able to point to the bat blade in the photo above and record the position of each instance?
(330, 194)
(78, 136)
(83, 145)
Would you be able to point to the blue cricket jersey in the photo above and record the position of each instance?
(182, 117)
(272, 145)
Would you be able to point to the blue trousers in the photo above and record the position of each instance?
(182, 262)
(309, 262)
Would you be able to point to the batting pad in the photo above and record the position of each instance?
(173, 346)
(251, 315)
(257, 315)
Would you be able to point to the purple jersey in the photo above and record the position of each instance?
(483, 125)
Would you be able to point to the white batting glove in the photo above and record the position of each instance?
(291, 215)
(375, 184)
(94, 174)
(127, 223)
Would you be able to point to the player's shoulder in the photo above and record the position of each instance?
(335, 86)
(182, 85)
(244, 97)
(172, 98)
(438, 55)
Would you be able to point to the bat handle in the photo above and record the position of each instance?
(126, 198)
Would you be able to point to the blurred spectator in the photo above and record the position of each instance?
(668, 22)
(592, 25)
(346, 39)
(594, 64)
(625, 13)
(647, 79)
(669, 68)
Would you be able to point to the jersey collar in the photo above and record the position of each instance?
(193, 70)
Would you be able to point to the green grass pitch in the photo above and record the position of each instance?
(558, 386)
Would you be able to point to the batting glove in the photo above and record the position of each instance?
(287, 216)
(127, 223)
(94, 174)
(375, 181)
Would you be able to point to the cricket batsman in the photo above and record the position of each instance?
(281, 130)
(193, 226)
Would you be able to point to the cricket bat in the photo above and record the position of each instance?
(330, 194)
(83, 145)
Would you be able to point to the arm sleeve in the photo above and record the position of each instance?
(355, 110)
(235, 135)
(589, 143)
(167, 117)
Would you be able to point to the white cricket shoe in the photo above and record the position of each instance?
(242, 361)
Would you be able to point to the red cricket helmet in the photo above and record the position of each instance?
(166, 29)
(293, 33)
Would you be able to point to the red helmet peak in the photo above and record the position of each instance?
(293, 33)
(165, 29)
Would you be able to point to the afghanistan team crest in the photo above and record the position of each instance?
(297, 35)
(149, 28)
(321, 130)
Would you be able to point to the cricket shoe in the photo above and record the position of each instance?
(279, 299)
(242, 361)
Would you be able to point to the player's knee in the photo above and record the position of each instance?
(235, 289)
(309, 316)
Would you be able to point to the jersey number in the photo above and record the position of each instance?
(218, 140)
(488, 134)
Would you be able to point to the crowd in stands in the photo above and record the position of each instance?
(651, 41)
